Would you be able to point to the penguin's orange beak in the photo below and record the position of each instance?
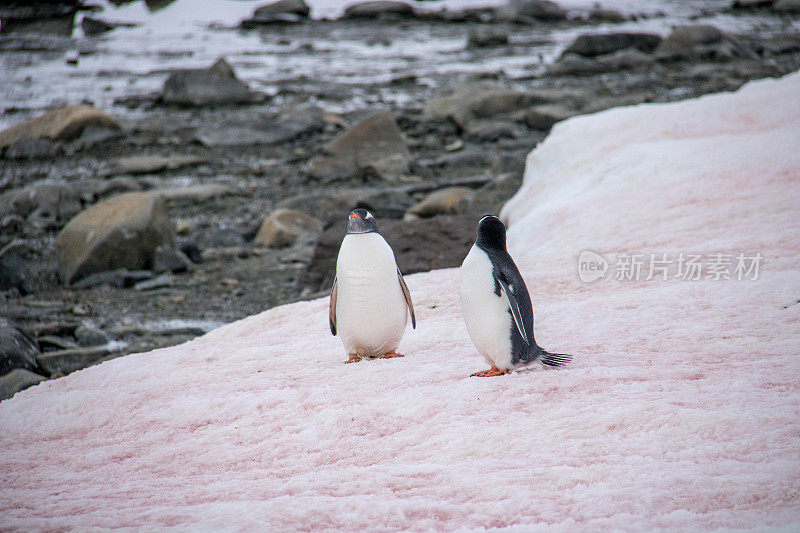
(353, 215)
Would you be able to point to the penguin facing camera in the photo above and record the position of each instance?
(496, 305)
(370, 302)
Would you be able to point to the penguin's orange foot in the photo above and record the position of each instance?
(391, 355)
(353, 358)
(494, 371)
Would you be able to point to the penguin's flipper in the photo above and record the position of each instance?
(332, 306)
(407, 296)
(515, 312)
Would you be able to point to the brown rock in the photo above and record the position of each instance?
(374, 144)
(284, 227)
(120, 232)
(62, 124)
(441, 202)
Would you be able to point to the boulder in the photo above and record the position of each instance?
(284, 227)
(276, 129)
(216, 85)
(481, 100)
(17, 350)
(378, 8)
(575, 65)
(543, 117)
(31, 148)
(786, 6)
(596, 44)
(63, 362)
(536, 9)
(626, 59)
(45, 204)
(419, 246)
(374, 145)
(88, 335)
(484, 36)
(281, 11)
(686, 42)
(92, 26)
(17, 380)
(121, 232)
(64, 124)
(441, 202)
(14, 271)
(489, 199)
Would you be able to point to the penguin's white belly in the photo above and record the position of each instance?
(485, 313)
(371, 310)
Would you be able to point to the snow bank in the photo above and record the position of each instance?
(681, 410)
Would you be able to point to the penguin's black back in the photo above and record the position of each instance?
(492, 240)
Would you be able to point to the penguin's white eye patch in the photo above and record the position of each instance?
(369, 215)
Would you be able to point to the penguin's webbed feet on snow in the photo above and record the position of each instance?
(392, 354)
(494, 371)
(352, 358)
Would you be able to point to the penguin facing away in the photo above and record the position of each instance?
(369, 302)
(496, 305)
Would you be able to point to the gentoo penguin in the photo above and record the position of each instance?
(369, 300)
(496, 306)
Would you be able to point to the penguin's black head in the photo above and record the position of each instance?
(491, 233)
(361, 221)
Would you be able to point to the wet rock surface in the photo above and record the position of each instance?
(303, 115)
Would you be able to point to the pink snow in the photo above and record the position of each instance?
(680, 411)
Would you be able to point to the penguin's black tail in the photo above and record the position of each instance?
(554, 359)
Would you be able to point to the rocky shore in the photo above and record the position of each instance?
(143, 223)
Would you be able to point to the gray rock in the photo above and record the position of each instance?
(692, 42)
(91, 189)
(481, 100)
(147, 164)
(120, 278)
(14, 271)
(281, 128)
(373, 145)
(484, 36)
(465, 159)
(31, 148)
(61, 343)
(538, 9)
(17, 380)
(63, 124)
(786, 6)
(626, 59)
(284, 227)
(378, 8)
(750, 4)
(216, 85)
(45, 204)
(543, 117)
(596, 44)
(224, 238)
(168, 259)
(490, 198)
(606, 15)
(63, 362)
(492, 130)
(575, 65)
(120, 232)
(92, 26)
(88, 335)
(281, 11)
(17, 350)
